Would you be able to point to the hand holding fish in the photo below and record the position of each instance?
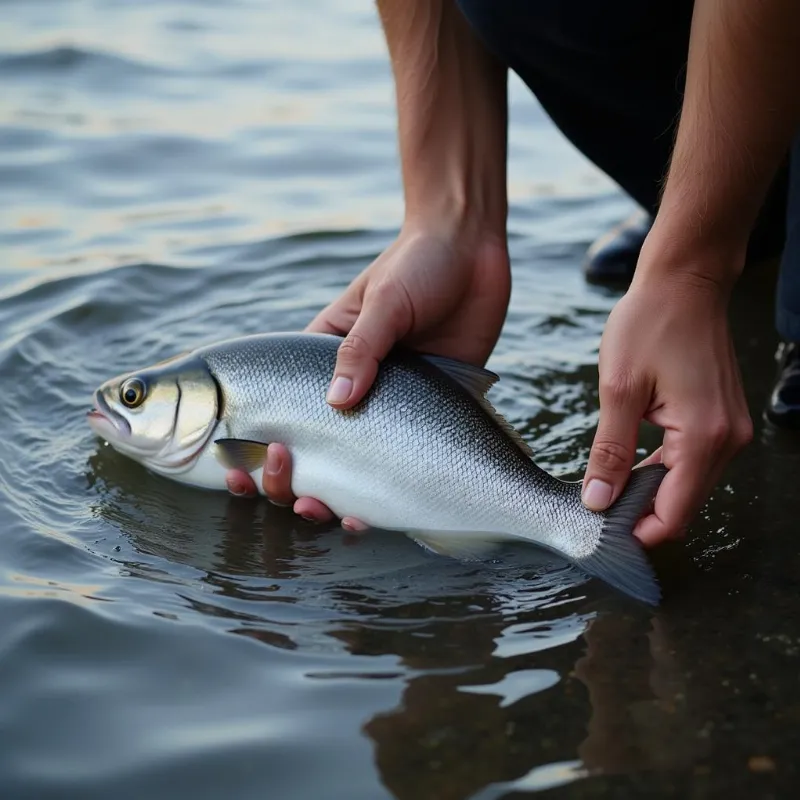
(276, 480)
(435, 290)
(426, 454)
(667, 357)
(443, 293)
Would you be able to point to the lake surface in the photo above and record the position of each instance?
(179, 171)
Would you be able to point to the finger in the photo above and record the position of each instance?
(650, 531)
(338, 317)
(622, 405)
(324, 323)
(695, 465)
(680, 497)
(654, 458)
(354, 525)
(312, 510)
(277, 475)
(696, 460)
(382, 322)
(240, 484)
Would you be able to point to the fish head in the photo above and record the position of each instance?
(162, 416)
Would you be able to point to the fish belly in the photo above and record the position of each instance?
(381, 497)
(354, 490)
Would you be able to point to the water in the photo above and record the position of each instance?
(178, 171)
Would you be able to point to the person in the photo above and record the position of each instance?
(692, 108)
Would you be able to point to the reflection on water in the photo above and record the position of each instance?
(482, 644)
(181, 171)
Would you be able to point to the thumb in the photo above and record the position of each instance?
(383, 321)
(614, 447)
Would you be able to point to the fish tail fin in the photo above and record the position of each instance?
(619, 558)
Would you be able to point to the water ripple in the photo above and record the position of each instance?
(174, 172)
(62, 62)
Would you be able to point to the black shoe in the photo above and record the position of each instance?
(783, 408)
(612, 258)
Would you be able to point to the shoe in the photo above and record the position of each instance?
(611, 260)
(783, 407)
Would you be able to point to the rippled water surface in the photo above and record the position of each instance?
(178, 171)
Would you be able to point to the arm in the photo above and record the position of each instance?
(452, 119)
(443, 285)
(451, 113)
(666, 354)
(740, 112)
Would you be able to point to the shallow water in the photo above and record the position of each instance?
(178, 171)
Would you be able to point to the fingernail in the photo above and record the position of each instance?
(236, 489)
(597, 494)
(274, 462)
(340, 390)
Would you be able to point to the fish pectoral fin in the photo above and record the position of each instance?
(462, 545)
(241, 454)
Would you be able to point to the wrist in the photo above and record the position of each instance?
(673, 252)
(459, 182)
(462, 229)
(458, 213)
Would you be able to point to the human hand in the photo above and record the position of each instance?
(439, 292)
(666, 356)
(276, 480)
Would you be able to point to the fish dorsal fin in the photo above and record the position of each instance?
(477, 382)
(507, 428)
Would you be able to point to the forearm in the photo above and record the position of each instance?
(740, 111)
(452, 115)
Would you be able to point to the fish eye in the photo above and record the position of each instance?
(132, 392)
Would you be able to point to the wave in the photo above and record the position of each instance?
(70, 59)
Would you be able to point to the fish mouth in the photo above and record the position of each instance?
(105, 422)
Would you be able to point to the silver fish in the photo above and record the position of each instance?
(424, 452)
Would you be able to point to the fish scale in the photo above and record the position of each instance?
(444, 450)
(424, 452)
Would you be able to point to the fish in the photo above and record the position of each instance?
(425, 452)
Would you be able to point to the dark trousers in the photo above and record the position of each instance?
(611, 76)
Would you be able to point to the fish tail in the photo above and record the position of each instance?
(619, 558)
